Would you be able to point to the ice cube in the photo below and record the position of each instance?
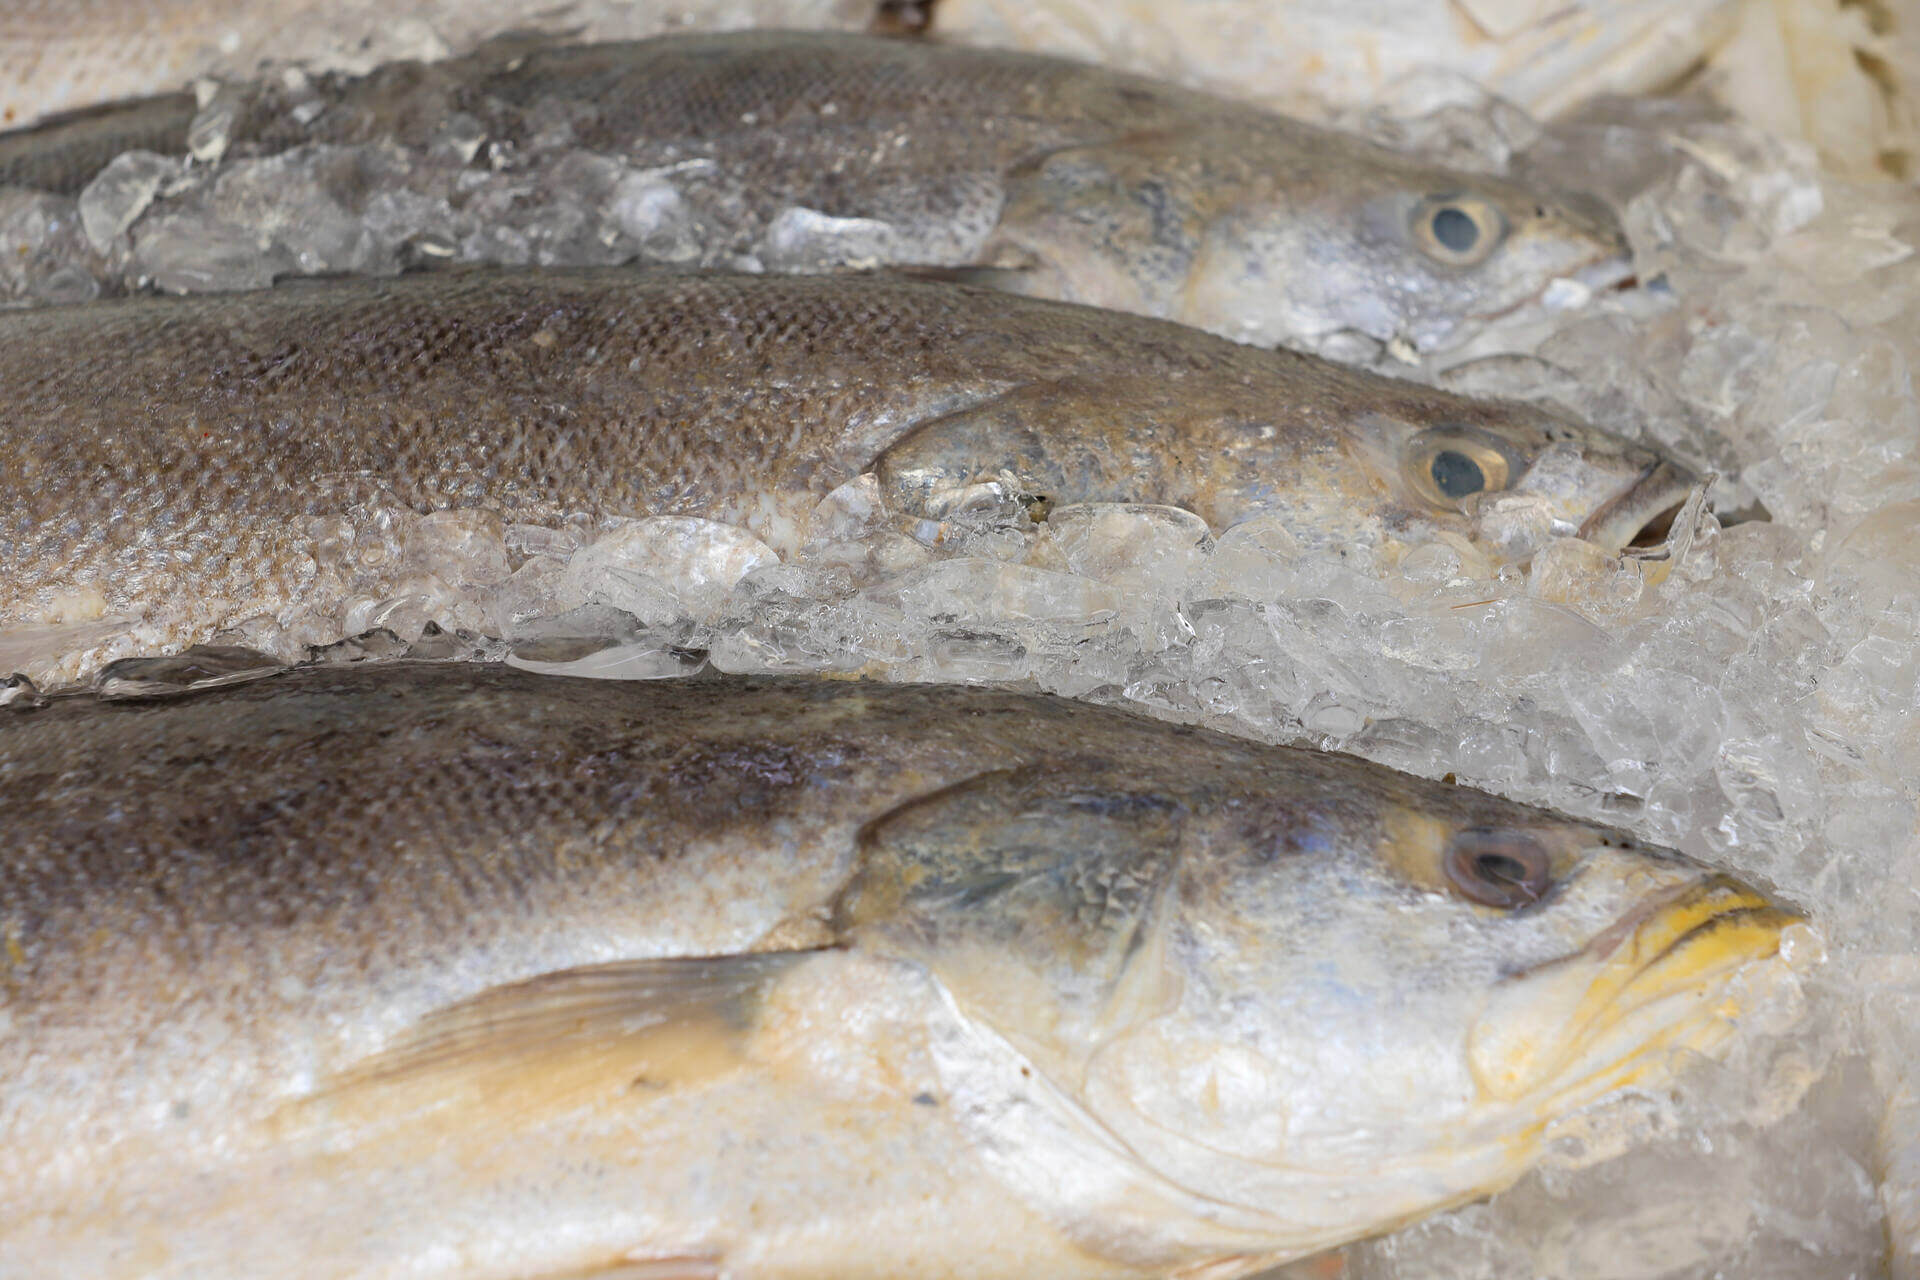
(464, 548)
(693, 562)
(189, 253)
(121, 192)
(1582, 576)
(1134, 546)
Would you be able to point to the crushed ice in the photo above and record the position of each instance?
(1747, 693)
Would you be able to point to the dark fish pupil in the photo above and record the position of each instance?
(1498, 868)
(1454, 229)
(1457, 475)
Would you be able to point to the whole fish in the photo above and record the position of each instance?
(448, 970)
(789, 150)
(195, 463)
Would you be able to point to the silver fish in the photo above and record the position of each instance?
(811, 151)
(191, 464)
(446, 970)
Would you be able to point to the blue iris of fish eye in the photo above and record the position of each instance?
(1455, 474)
(1455, 229)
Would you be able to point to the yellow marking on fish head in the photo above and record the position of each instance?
(1659, 979)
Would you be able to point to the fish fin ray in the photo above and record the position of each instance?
(23, 648)
(563, 1038)
(676, 1267)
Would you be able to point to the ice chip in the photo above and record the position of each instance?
(464, 548)
(1136, 546)
(1576, 573)
(121, 192)
(212, 129)
(648, 208)
(187, 253)
(202, 666)
(1517, 523)
(367, 646)
(1431, 562)
(696, 562)
(973, 589)
(801, 239)
(605, 643)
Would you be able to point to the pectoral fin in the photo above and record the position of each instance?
(32, 647)
(1062, 441)
(562, 1040)
(676, 1268)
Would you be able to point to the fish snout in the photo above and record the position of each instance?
(1663, 977)
(1642, 514)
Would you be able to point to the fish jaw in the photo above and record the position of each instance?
(1606, 492)
(1665, 977)
(1644, 511)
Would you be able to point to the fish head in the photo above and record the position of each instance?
(1378, 244)
(1291, 236)
(1428, 256)
(1255, 1013)
(1388, 997)
(1512, 475)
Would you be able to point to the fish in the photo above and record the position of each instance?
(194, 463)
(794, 150)
(449, 969)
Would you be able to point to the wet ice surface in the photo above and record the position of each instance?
(210, 222)
(1748, 695)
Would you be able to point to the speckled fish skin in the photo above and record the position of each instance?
(189, 461)
(823, 150)
(452, 970)
(62, 155)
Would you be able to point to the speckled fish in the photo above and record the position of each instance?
(447, 970)
(194, 463)
(808, 150)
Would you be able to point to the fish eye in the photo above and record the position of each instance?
(1448, 466)
(1458, 231)
(1455, 230)
(1505, 869)
(1455, 474)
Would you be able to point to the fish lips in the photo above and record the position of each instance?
(1659, 979)
(1568, 291)
(1643, 513)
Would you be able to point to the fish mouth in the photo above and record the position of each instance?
(1660, 979)
(1642, 516)
(1609, 273)
(1569, 291)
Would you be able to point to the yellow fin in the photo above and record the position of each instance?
(693, 1267)
(31, 648)
(559, 1041)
